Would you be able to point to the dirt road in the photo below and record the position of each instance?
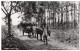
(39, 45)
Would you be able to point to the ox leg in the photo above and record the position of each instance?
(20, 30)
(46, 41)
(37, 36)
(40, 37)
(29, 35)
(23, 32)
(32, 33)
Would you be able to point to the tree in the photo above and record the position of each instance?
(8, 7)
(40, 12)
(29, 10)
(66, 14)
(62, 16)
(54, 7)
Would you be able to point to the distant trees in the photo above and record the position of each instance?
(67, 20)
(32, 8)
(29, 9)
(54, 6)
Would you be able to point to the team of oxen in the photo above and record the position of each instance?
(41, 31)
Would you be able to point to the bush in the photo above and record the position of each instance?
(11, 42)
(68, 36)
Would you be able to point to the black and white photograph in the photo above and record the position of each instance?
(40, 25)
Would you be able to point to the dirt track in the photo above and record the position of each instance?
(38, 45)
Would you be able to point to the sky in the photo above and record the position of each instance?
(14, 17)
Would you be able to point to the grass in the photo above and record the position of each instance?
(11, 43)
(68, 36)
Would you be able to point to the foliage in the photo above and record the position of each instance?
(68, 36)
(11, 42)
(14, 43)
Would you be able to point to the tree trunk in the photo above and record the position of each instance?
(71, 17)
(53, 19)
(74, 16)
(66, 16)
(61, 17)
(58, 19)
(9, 25)
(49, 18)
(79, 15)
